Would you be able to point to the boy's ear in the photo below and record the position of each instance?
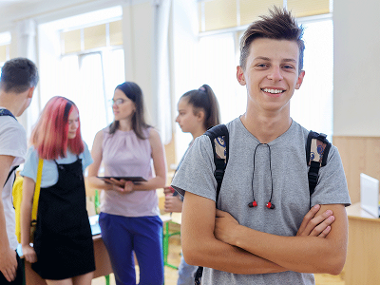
(240, 75)
(30, 92)
(300, 79)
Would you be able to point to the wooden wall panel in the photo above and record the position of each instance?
(359, 155)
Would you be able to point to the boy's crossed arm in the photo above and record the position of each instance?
(224, 245)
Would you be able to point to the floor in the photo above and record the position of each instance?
(174, 258)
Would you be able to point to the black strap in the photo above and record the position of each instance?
(313, 174)
(218, 134)
(198, 276)
(10, 173)
(5, 112)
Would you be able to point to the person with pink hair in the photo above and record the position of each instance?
(62, 251)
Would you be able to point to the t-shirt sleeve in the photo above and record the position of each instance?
(31, 164)
(87, 159)
(196, 173)
(332, 184)
(12, 139)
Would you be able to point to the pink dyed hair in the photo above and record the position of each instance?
(50, 135)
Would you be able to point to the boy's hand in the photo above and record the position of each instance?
(225, 226)
(319, 226)
(8, 264)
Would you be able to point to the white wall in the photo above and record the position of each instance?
(356, 68)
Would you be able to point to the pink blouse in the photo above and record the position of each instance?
(124, 154)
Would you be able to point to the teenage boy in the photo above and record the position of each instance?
(264, 244)
(19, 77)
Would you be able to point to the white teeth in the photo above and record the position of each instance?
(273, 91)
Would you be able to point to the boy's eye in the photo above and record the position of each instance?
(262, 65)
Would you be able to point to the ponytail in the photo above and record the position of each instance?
(204, 98)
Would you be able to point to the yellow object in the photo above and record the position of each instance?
(17, 197)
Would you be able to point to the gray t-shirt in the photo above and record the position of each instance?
(286, 156)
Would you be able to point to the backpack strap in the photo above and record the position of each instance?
(219, 139)
(317, 151)
(10, 173)
(5, 112)
(198, 275)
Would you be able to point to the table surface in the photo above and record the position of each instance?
(356, 212)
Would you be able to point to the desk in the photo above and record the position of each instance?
(102, 263)
(362, 265)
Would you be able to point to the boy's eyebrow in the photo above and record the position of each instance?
(289, 60)
(268, 59)
(262, 57)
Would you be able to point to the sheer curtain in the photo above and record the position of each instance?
(217, 68)
(90, 81)
(312, 104)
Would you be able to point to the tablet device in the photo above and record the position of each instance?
(127, 178)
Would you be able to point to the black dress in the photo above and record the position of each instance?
(63, 240)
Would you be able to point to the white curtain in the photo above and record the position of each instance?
(161, 87)
(26, 47)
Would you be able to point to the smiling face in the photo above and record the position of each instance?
(123, 107)
(271, 74)
(73, 124)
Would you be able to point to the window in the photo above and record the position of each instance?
(82, 59)
(217, 68)
(89, 80)
(5, 40)
(312, 104)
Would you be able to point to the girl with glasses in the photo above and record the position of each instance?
(129, 217)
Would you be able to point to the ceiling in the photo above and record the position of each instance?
(5, 4)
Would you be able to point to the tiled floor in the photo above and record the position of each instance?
(174, 258)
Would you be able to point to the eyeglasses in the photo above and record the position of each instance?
(117, 101)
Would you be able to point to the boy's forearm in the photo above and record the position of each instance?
(301, 254)
(200, 246)
(224, 257)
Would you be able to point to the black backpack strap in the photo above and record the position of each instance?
(5, 112)
(10, 173)
(198, 276)
(317, 151)
(219, 139)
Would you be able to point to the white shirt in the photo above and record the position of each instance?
(13, 143)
